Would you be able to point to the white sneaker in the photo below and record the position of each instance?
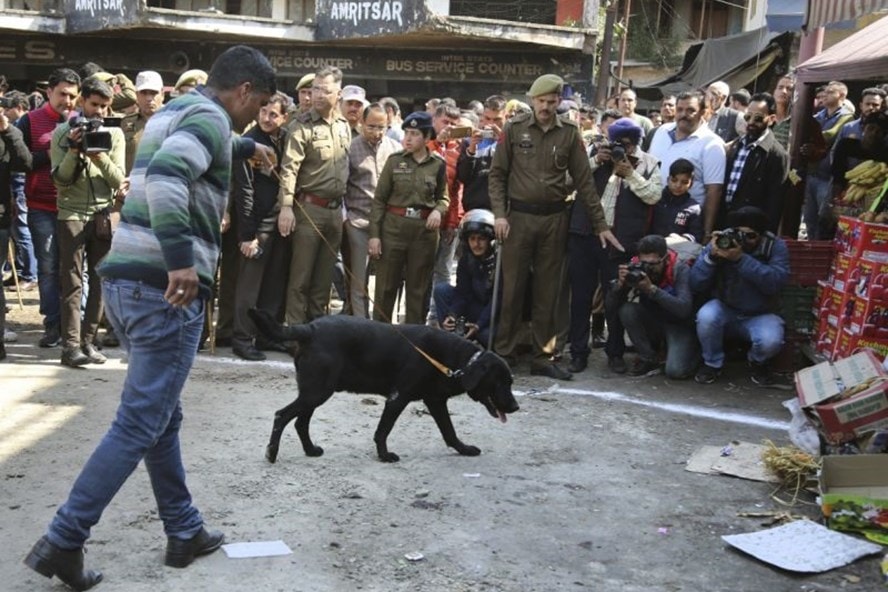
(9, 336)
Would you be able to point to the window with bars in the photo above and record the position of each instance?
(526, 11)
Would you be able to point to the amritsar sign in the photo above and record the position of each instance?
(337, 19)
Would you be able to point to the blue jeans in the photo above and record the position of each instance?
(715, 321)
(161, 341)
(42, 225)
(817, 194)
(25, 259)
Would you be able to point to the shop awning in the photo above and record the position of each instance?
(862, 56)
(785, 15)
(824, 12)
(736, 59)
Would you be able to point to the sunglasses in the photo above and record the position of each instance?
(754, 117)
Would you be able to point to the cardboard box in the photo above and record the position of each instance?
(854, 494)
(819, 383)
(838, 272)
(848, 343)
(846, 420)
(857, 238)
(835, 306)
(867, 279)
(868, 318)
(827, 335)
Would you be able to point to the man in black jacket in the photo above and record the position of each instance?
(757, 165)
(264, 261)
(473, 165)
(14, 157)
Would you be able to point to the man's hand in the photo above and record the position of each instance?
(74, 137)
(603, 154)
(286, 221)
(733, 253)
(226, 222)
(622, 271)
(501, 229)
(471, 330)
(644, 285)
(182, 285)
(264, 157)
(449, 323)
(374, 248)
(250, 249)
(433, 222)
(608, 237)
(623, 168)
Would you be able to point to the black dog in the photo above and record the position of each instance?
(345, 353)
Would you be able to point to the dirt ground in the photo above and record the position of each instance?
(582, 489)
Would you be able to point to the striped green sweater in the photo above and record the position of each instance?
(178, 192)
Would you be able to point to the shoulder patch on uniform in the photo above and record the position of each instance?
(567, 121)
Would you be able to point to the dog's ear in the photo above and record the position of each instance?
(471, 376)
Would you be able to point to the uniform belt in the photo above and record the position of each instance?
(417, 213)
(315, 200)
(537, 209)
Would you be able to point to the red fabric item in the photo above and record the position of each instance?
(39, 188)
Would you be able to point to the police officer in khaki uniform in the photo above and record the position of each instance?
(528, 187)
(313, 177)
(189, 80)
(303, 94)
(149, 98)
(409, 202)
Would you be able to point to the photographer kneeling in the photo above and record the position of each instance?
(652, 296)
(87, 167)
(466, 308)
(743, 270)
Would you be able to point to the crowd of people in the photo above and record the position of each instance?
(563, 199)
(559, 222)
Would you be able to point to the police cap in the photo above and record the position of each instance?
(418, 120)
(546, 84)
(191, 78)
(305, 81)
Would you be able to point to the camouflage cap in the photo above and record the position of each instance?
(305, 81)
(546, 84)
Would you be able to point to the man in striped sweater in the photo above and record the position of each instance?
(157, 278)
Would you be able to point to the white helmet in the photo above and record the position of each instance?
(477, 222)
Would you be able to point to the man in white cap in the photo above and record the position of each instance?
(149, 98)
(354, 101)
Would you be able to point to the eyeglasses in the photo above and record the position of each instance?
(653, 263)
(754, 117)
(377, 128)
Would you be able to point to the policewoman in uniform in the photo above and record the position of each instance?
(410, 199)
(528, 187)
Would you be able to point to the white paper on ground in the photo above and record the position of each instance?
(256, 549)
(802, 546)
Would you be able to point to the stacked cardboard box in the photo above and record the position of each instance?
(853, 301)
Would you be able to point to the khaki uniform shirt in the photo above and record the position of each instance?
(132, 126)
(531, 165)
(406, 183)
(316, 158)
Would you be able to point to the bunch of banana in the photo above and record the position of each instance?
(865, 181)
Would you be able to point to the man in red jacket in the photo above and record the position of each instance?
(37, 127)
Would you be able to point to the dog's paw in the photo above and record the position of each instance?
(389, 457)
(271, 453)
(314, 451)
(469, 450)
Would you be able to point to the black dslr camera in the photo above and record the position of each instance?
(460, 326)
(618, 151)
(635, 275)
(94, 138)
(728, 238)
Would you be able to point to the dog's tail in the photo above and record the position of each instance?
(270, 328)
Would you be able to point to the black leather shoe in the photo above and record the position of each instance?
(550, 370)
(577, 364)
(74, 357)
(48, 560)
(248, 352)
(181, 552)
(263, 344)
(617, 364)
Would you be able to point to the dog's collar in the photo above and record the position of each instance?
(472, 360)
